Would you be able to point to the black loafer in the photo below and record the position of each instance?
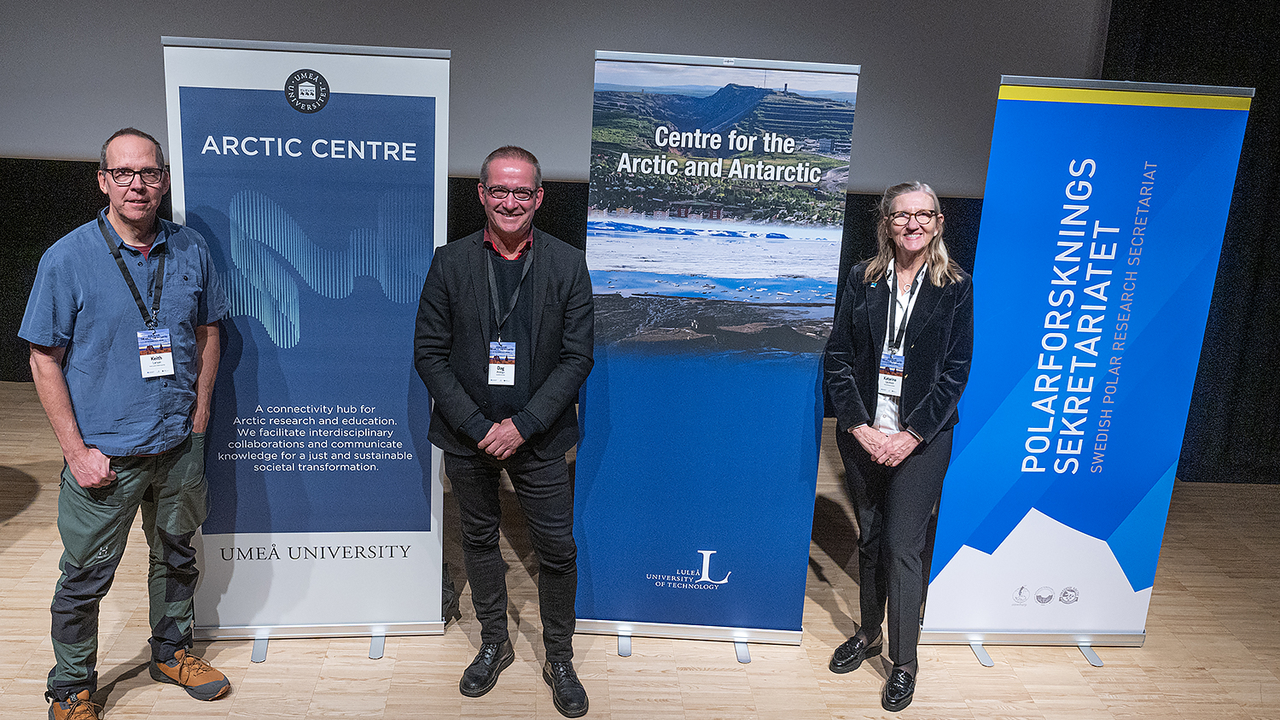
(482, 674)
(898, 690)
(851, 653)
(566, 691)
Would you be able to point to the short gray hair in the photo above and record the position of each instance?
(511, 152)
(102, 160)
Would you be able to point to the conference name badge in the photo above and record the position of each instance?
(891, 374)
(502, 363)
(155, 351)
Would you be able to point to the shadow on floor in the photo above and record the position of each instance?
(17, 491)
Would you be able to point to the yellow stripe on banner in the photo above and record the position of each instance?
(1123, 97)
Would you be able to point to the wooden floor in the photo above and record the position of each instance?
(1212, 649)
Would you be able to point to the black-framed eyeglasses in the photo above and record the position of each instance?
(124, 176)
(498, 192)
(924, 217)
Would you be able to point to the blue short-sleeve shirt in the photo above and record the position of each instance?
(80, 301)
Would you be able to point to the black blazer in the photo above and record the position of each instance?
(938, 348)
(451, 346)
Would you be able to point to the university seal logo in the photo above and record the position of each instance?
(307, 91)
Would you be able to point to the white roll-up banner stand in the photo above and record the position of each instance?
(317, 175)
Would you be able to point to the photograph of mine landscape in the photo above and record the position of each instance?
(717, 204)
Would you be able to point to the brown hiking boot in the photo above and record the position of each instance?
(76, 707)
(197, 677)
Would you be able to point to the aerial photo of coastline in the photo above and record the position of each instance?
(717, 205)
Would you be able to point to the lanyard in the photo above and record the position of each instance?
(150, 320)
(895, 340)
(493, 289)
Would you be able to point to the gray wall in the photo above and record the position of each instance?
(521, 71)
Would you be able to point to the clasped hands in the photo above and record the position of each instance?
(888, 450)
(502, 440)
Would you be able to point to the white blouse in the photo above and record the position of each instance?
(887, 417)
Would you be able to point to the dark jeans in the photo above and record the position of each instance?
(546, 497)
(894, 506)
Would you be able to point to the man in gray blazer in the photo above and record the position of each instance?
(503, 342)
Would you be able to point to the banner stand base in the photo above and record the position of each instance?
(262, 633)
(1090, 655)
(744, 653)
(624, 646)
(686, 632)
(981, 654)
(1084, 641)
(259, 650)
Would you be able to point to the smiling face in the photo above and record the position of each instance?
(509, 218)
(913, 238)
(135, 204)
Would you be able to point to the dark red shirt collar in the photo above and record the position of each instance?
(493, 246)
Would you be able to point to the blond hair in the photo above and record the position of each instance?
(942, 269)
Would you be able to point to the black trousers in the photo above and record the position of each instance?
(893, 507)
(546, 497)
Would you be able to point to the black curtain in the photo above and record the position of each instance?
(1234, 423)
(40, 201)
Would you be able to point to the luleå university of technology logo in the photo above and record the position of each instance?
(307, 91)
(691, 579)
(706, 569)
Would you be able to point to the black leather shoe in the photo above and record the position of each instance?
(566, 691)
(851, 653)
(898, 690)
(482, 674)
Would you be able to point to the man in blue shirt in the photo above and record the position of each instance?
(123, 326)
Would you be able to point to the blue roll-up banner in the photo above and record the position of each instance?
(1102, 225)
(317, 174)
(716, 212)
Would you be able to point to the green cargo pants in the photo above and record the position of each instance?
(94, 524)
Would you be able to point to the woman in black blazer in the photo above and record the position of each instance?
(894, 369)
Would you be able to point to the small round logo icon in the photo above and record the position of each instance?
(307, 91)
(1021, 594)
(1068, 595)
(1044, 595)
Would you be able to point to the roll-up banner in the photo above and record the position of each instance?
(716, 211)
(1102, 224)
(317, 174)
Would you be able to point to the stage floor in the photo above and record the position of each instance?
(1212, 647)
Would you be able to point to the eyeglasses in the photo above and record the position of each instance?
(498, 192)
(924, 217)
(124, 176)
